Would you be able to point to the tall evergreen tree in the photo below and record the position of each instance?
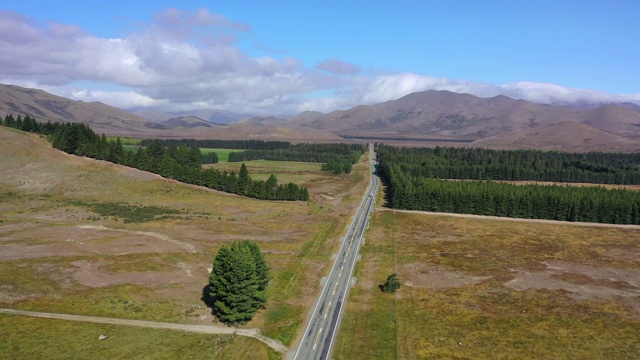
(244, 181)
(238, 282)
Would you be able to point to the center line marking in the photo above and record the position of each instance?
(334, 289)
(317, 337)
(326, 312)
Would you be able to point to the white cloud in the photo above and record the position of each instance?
(338, 67)
(186, 60)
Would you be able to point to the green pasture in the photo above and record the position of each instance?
(125, 141)
(223, 154)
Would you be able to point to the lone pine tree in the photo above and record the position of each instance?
(238, 282)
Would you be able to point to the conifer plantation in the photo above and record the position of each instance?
(238, 282)
(336, 158)
(422, 179)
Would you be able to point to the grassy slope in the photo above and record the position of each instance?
(39, 186)
(488, 320)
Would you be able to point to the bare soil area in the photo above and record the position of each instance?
(541, 221)
(582, 282)
(47, 241)
(430, 277)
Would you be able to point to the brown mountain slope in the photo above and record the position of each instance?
(48, 107)
(617, 119)
(565, 136)
(447, 115)
(188, 122)
(112, 121)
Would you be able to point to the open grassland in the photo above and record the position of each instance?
(65, 244)
(35, 338)
(493, 289)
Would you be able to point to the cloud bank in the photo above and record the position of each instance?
(193, 60)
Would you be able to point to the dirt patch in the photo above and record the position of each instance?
(425, 276)
(631, 255)
(47, 241)
(630, 276)
(184, 245)
(587, 283)
(90, 274)
(540, 221)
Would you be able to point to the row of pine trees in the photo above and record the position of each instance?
(406, 172)
(335, 158)
(514, 165)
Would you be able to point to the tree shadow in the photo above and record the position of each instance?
(206, 297)
(385, 189)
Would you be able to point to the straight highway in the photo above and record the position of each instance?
(319, 335)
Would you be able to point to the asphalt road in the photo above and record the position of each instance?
(319, 334)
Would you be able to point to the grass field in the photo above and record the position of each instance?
(34, 338)
(57, 254)
(125, 141)
(492, 289)
(285, 171)
(223, 154)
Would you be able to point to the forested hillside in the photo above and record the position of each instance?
(415, 178)
(175, 162)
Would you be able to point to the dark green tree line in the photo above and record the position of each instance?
(514, 165)
(554, 202)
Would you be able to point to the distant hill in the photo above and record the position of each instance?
(44, 106)
(564, 136)
(112, 121)
(264, 120)
(209, 115)
(447, 115)
(188, 122)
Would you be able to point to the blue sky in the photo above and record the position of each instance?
(283, 57)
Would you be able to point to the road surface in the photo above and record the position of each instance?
(324, 320)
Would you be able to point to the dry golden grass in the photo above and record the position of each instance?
(59, 256)
(492, 289)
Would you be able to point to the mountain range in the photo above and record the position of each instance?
(418, 118)
(112, 121)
